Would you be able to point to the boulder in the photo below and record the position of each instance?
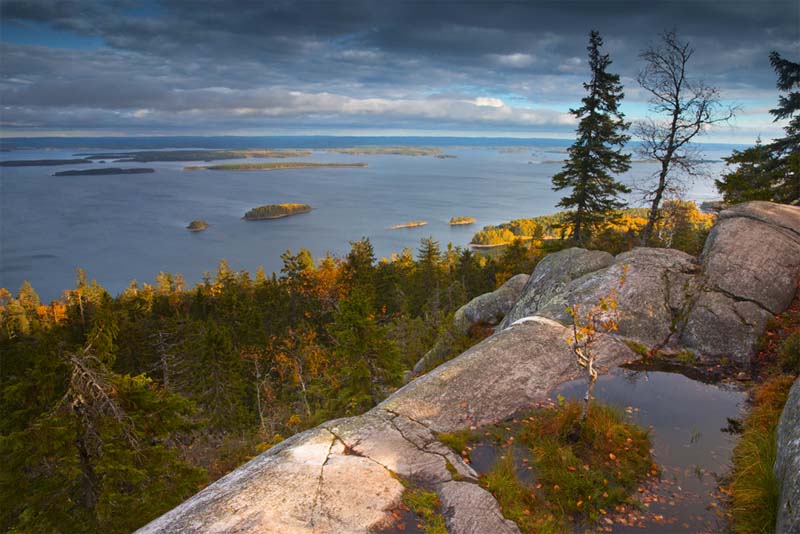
(488, 309)
(787, 464)
(721, 327)
(551, 275)
(651, 287)
(778, 215)
(754, 261)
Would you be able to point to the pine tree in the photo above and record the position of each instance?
(597, 151)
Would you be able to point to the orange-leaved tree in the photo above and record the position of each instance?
(588, 326)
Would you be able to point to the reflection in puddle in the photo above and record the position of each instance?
(687, 420)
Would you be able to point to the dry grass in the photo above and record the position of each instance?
(754, 489)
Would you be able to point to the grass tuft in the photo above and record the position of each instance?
(428, 508)
(754, 488)
(458, 440)
(518, 502)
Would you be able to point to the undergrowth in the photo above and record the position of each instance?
(754, 490)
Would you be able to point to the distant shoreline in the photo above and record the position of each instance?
(43, 162)
(104, 171)
(270, 166)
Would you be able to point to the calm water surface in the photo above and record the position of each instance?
(686, 419)
(121, 228)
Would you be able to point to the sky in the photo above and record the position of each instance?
(358, 67)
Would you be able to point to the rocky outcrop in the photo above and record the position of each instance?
(487, 309)
(787, 464)
(551, 275)
(717, 305)
(343, 475)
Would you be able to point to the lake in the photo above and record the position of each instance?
(126, 227)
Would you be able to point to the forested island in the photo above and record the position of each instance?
(104, 171)
(43, 162)
(409, 224)
(270, 166)
(389, 150)
(459, 221)
(275, 211)
(197, 225)
(145, 156)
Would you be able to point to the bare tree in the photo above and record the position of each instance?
(685, 108)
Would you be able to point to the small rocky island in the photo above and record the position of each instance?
(410, 224)
(459, 221)
(104, 171)
(275, 211)
(197, 225)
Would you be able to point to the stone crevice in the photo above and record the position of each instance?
(737, 298)
(321, 477)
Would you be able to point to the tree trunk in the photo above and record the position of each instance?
(588, 398)
(90, 485)
(258, 397)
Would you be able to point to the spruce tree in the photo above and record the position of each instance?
(770, 171)
(597, 151)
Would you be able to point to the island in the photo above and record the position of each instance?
(146, 156)
(42, 162)
(410, 224)
(270, 166)
(459, 221)
(104, 171)
(275, 211)
(388, 151)
(197, 225)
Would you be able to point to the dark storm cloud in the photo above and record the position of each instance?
(212, 65)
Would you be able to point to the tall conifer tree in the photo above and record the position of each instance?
(597, 151)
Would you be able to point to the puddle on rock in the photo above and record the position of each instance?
(403, 521)
(686, 419)
(484, 454)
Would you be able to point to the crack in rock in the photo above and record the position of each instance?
(321, 476)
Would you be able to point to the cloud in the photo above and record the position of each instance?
(516, 60)
(359, 62)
